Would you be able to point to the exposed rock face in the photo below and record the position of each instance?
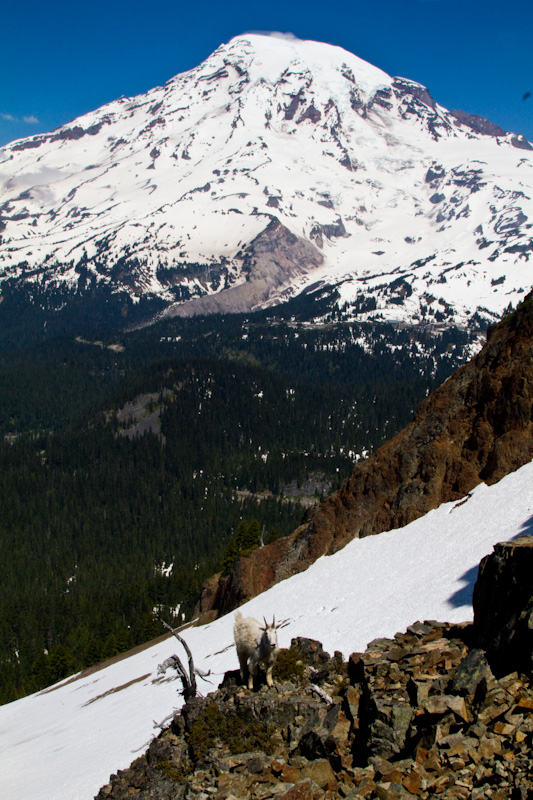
(503, 605)
(478, 124)
(476, 427)
(249, 577)
(417, 716)
(271, 261)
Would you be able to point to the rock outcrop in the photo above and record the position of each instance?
(422, 715)
(503, 605)
(417, 716)
(476, 427)
(271, 261)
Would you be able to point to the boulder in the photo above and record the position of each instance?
(503, 606)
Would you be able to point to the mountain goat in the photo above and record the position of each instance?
(256, 644)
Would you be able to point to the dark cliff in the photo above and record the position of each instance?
(503, 605)
(476, 427)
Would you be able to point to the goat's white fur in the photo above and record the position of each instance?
(256, 644)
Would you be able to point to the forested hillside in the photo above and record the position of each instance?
(132, 467)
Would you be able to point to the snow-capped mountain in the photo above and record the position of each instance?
(276, 167)
(64, 742)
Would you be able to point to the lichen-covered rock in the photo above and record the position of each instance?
(473, 673)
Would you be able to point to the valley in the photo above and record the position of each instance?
(222, 303)
(129, 461)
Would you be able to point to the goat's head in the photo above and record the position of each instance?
(270, 636)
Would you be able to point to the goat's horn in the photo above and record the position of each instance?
(266, 623)
(274, 621)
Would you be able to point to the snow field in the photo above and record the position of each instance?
(64, 742)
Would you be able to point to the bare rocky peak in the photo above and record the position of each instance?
(478, 124)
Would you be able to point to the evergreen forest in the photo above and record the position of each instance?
(135, 464)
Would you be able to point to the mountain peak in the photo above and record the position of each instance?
(273, 56)
(382, 192)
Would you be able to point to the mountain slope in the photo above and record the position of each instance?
(475, 427)
(275, 166)
(63, 743)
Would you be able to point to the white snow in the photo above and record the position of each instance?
(64, 742)
(187, 173)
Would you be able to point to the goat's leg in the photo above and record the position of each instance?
(252, 672)
(243, 666)
(269, 680)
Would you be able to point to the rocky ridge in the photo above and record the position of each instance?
(476, 427)
(422, 715)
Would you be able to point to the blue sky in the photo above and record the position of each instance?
(60, 59)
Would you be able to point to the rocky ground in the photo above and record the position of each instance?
(421, 715)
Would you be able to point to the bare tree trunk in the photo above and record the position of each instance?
(188, 679)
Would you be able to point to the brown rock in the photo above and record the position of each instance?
(320, 772)
(432, 762)
(421, 755)
(338, 724)
(394, 776)
(496, 703)
(419, 691)
(459, 707)
(457, 744)
(504, 728)
(353, 696)
(460, 792)
(300, 791)
(290, 774)
(394, 749)
(347, 762)
(489, 746)
(392, 791)
(456, 764)
(435, 705)
(365, 787)
(524, 705)
(412, 782)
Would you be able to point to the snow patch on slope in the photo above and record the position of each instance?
(74, 735)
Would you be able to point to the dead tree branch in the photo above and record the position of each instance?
(321, 693)
(188, 679)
